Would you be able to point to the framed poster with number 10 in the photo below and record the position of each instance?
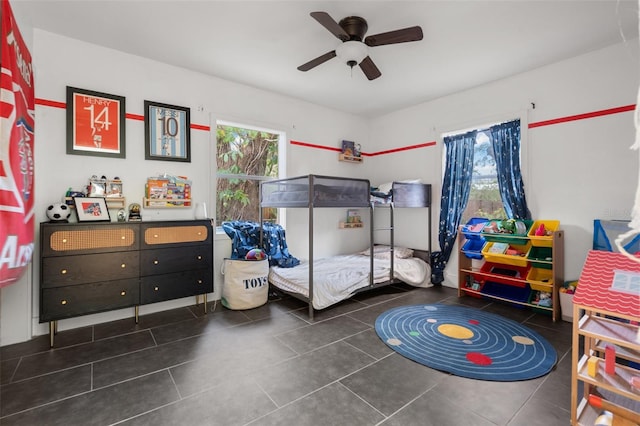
(167, 132)
(95, 123)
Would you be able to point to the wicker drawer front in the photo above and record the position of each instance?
(174, 286)
(168, 260)
(71, 301)
(87, 268)
(62, 241)
(154, 235)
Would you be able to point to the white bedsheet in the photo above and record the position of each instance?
(336, 278)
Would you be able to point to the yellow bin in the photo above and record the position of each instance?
(516, 260)
(543, 241)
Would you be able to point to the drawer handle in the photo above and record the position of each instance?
(123, 237)
(156, 288)
(123, 266)
(64, 240)
(63, 272)
(156, 261)
(199, 257)
(199, 281)
(155, 235)
(123, 293)
(63, 302)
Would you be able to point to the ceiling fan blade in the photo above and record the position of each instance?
(393, 37)
(369, 68)
(317, 61)
(329, 23)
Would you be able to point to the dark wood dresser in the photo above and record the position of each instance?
(89, 268)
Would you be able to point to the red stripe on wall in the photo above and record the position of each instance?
(404, 148)
(134, 116)
(582, 116)
(54, 104)
(200, 127)
(311, 145)
(130, 116)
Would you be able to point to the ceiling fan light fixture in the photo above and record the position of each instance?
(352, 52)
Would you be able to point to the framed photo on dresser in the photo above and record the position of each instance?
(91, 209)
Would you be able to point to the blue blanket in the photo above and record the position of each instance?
(245, 235)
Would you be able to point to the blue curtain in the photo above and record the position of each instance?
(505, 139)
(455, 195)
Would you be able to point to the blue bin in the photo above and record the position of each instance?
(473, 248)
(468, 229)
(518, 294)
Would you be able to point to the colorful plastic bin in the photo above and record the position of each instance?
(517, 238)
(473, 248)
(472, 230)
(541, 279)
(508, 259)
(518, 294)
(503, 274)
(543, 241)
(541, 257)
(546, 310)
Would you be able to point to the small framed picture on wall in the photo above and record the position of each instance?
(95, 123)
(167, 132)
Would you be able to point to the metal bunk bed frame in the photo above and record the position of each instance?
(423, 200)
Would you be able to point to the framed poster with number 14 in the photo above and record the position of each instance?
(95, 123)
(167, 132)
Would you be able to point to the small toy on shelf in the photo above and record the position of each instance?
(114, 187)
(134, 212)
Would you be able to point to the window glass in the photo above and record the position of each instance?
(245, 156)
(484, 196)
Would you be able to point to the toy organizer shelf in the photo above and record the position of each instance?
(513, 279)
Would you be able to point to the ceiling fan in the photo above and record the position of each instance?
(354, 49)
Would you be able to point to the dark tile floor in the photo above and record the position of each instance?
(268, 366)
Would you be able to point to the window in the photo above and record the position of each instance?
(484, 196)
(245, 156)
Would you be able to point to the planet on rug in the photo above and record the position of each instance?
(466, 342)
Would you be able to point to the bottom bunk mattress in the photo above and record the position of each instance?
(337, 278)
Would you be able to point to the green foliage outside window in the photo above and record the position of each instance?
(244, 158)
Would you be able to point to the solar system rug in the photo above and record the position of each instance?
(466, 342)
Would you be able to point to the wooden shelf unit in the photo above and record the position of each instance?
(591, 334)
(112, 202)
(349, 158)
(467, 273)
(166, 203)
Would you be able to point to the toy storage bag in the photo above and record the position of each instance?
(246, 283)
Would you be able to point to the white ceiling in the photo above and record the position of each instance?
(260, 43)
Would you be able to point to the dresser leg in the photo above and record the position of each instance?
(53, 329)
(205, 302)
(137, 310)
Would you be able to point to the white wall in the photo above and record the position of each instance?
(60, 62)
(574, 172)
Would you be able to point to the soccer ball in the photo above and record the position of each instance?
(255, 254)
(58, 212)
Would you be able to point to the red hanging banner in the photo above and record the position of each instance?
(17, 120)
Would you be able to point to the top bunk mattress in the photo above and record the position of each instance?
(404, 195)
(315, 191)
